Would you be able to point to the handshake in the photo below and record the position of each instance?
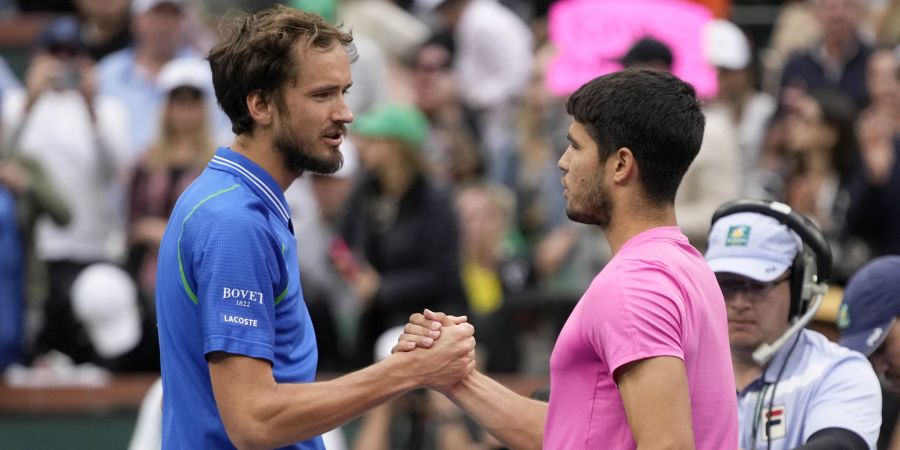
(438, 349)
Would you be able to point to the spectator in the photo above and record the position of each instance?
(26, 195)
(492, 65)
(84, 155)
(748, 110)
(837, 60)
(132, 74)
(867, 321)
(104, 26)
(873, 213)
(400, 226)
(451, 147)
(808, 392)
(179, 153)
(821, 159)
(495, 270)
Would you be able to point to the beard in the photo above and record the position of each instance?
(596, 206)
(298, 156)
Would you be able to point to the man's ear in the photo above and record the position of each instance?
(261, 107)
(624, 165)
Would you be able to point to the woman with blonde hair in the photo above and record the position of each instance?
(172, 162)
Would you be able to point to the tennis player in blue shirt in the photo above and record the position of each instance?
(238, 348)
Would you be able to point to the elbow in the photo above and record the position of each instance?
(245, 438)
(250, 434)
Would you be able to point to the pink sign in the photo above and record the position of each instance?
(590, 35)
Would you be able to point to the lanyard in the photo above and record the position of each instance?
(757, 414)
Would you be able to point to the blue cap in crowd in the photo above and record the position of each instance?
(871, 305)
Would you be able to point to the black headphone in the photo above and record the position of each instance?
(812, 265)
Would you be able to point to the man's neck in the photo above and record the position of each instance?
(259, 149)
(634, 220)
(746, 370)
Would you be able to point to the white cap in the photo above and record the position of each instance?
(751, 245)
(725, 45)
(386, 342)
(104, 299)
(191, 72)
(142, 6)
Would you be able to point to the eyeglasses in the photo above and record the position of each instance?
(750, 289)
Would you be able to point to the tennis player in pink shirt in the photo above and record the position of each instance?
(643, 361)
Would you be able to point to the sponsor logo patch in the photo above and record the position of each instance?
(738, 235)
(242, 294)
(774, 423)
(229, 318)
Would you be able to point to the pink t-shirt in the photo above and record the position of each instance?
(656, 297)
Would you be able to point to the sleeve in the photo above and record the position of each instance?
(642, 316)
(45, 194)
(847, 397)
(238, 271)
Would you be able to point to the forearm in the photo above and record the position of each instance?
(518, 422)
(288, 413)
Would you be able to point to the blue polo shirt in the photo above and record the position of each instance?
(823, 386)
(228, 280)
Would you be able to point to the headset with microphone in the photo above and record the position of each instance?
(810, 270)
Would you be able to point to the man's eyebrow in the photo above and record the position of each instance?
(571, 139)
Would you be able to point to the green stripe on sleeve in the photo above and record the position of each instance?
(184, 281)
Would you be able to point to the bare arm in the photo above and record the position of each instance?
(657, 403)
(258, 412)
(516, 421)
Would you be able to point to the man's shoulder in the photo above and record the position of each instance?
(829, 352)
(219, 198)
(115, 62)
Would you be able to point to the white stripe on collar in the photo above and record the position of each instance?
(255, 180)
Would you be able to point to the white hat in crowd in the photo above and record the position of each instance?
(104, 299)
(751, 245)
(190, 72)
(725, 45)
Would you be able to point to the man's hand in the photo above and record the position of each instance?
(449, 360)
(423, 329)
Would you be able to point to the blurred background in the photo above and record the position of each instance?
(107, 114)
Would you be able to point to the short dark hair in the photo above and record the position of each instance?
(254, 54)
(651, 112)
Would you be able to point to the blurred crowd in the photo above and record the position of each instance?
(449, 197)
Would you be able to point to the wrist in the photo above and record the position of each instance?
(401, 369)
(458, 389)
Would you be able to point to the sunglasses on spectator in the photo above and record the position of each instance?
(750, 289)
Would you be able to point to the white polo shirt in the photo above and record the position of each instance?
(823, 386)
